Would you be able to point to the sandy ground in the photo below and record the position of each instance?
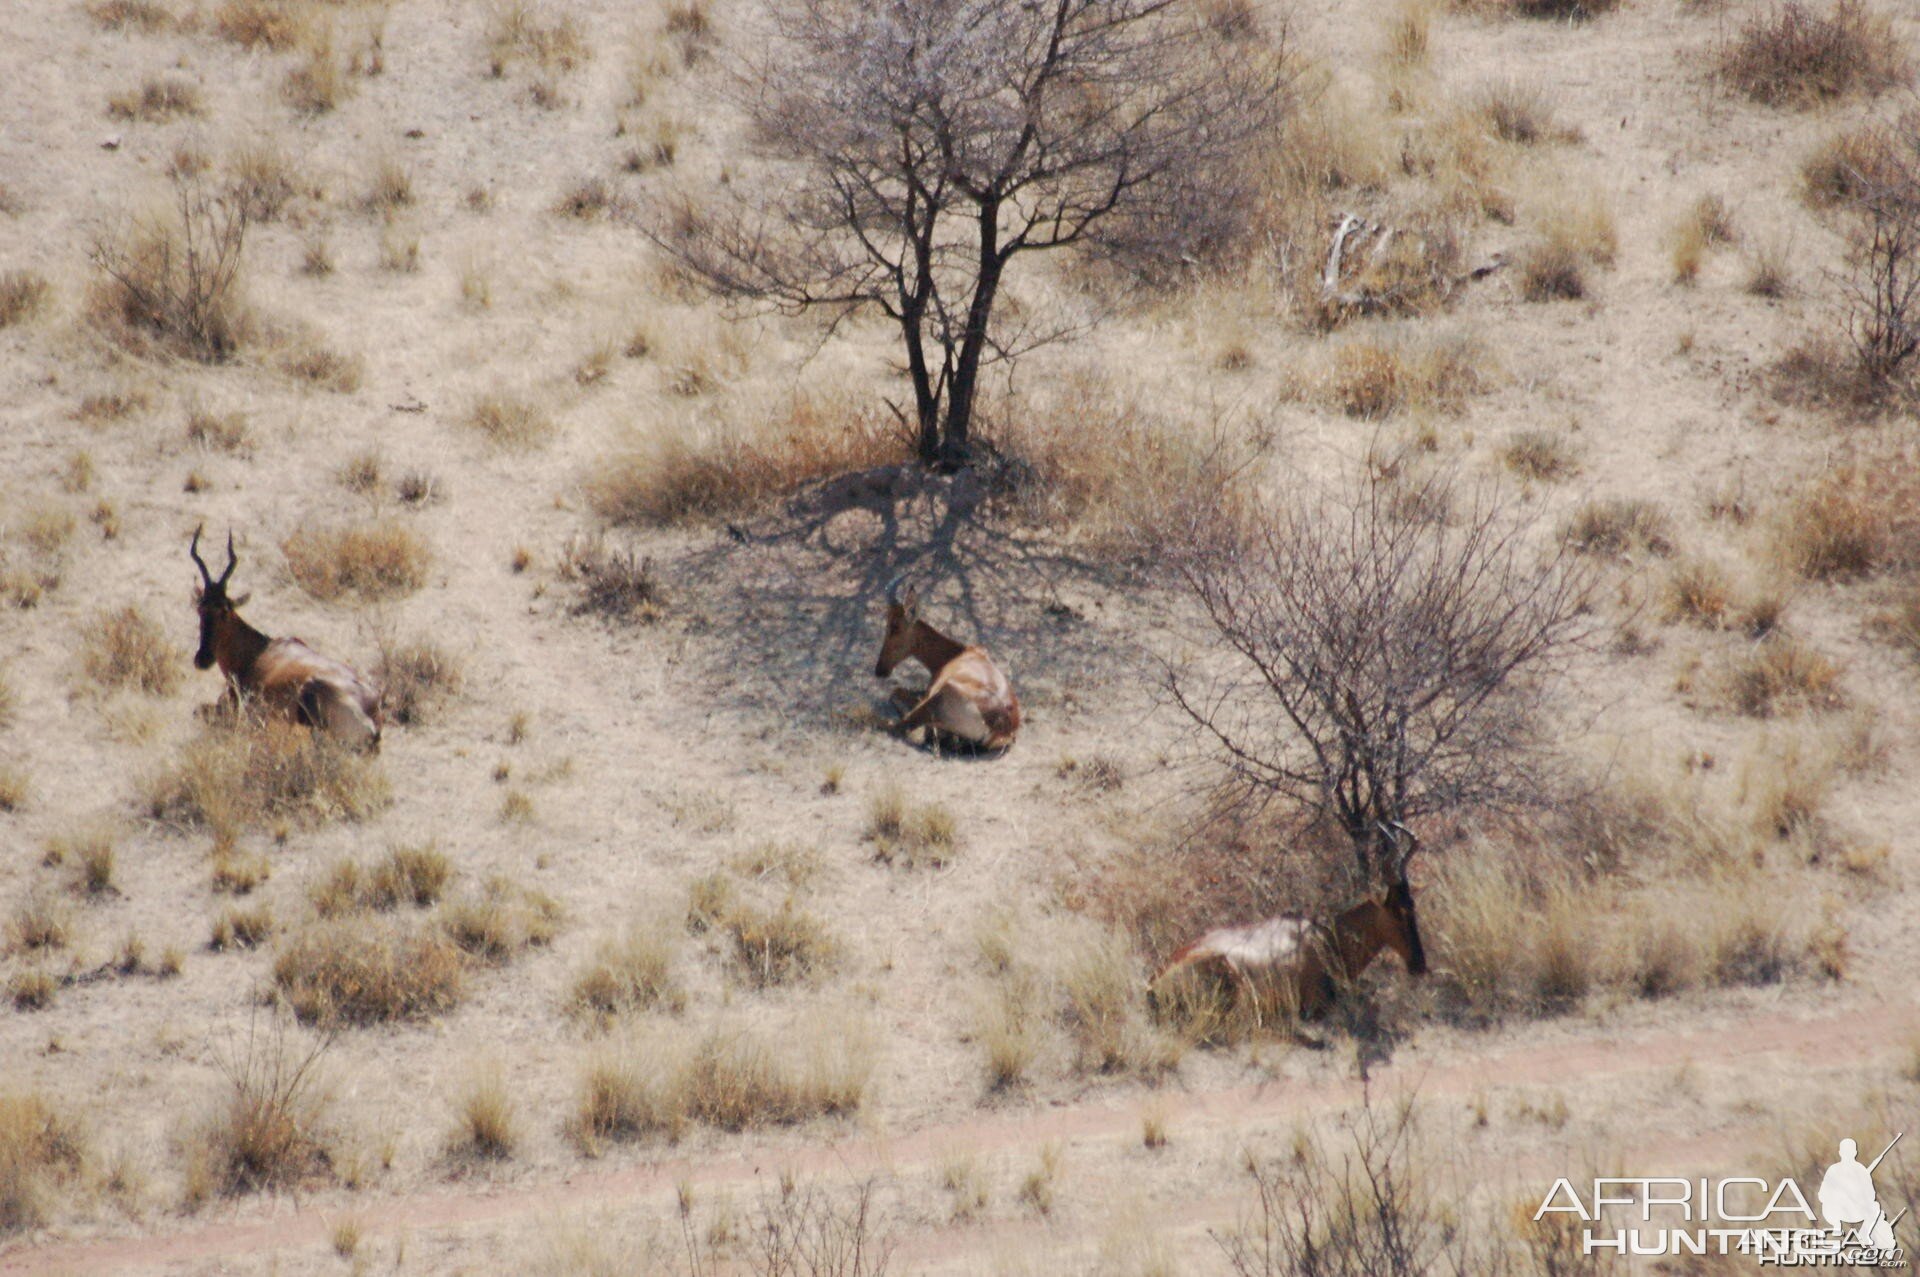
(655, 755)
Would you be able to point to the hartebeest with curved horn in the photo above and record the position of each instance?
(969, 698)
(283, 674)
(1301, 963)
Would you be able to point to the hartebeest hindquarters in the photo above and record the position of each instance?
(283, 675)
(1302, 963)
(969, 698)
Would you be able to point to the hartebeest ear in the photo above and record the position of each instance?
(910, 604)
(242, 600)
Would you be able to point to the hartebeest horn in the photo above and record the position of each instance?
(193, 551)
(1396, 832)
(232, 558)
(893, 589)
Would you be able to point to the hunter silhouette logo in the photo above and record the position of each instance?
(1770, 1220)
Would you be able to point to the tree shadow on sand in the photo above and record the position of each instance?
(800, 594)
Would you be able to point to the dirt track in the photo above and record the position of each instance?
(1850, 1039)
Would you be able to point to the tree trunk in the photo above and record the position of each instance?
(956, 443)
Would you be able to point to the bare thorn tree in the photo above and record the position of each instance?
(178, 279)
(1882, 283)
(1378, 665)
(907, 151)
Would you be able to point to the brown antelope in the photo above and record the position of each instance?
(969, 698)
(1300, 963)
(283, 674)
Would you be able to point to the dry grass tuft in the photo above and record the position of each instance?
(1699, 592)
(510, 420)
(778, 946)
(689, 479)
(521, 30)
(910, 834)
(485, 1127)
(267, 1133)
(31, 989)
(500, 921)
(127, 649)
(348, 971)
(39, 922)
(633, 973)
(1103, 988)
(119, 15)
(1540, 455)
(23, 295)
(90, 852)
(1780, 674)
(321, 81)
(323, 368)
(1769, 268)
(42, 1152)
(228, 779)
(273, 24)
(1788, 55)
(1851, 520)
(1408, 35)
(159, 99)
(225, 432)
(1373, 378)
(417, 679)
(383, 559)
(15, 788)
(587, 200)
(1848, 166)
(1620, 525)
(1520, 112)
(238, 928)
(414, 876)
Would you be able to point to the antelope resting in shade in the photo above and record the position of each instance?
(1300, 963)
(283, 675)
(969, 698)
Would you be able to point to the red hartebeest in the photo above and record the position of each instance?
(969, 698)
(284, 674)
(1300, 963)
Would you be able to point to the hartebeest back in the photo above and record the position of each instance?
(1302, 963)
(969, 698)
(283, 675)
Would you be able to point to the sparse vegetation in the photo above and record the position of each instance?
(1790, 55)
(228, 779)
(42, 1151)
(159, 99)
(126, 649)
(382, 559)
(500, 920)
(913, 835)
(346, 971)
(778, 946)
(632, 973)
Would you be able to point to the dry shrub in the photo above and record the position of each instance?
(1620, 525)
(1540, 455)
(485, 1126)
(500, 921)
(1852, 519)
(267, 1132)
(1788, 55)
(355, 971)
(614, 582)
(23, 294)
(910, 834)
(632, 973)
(125, 648)
(118, 15)
(1780, 674)
(1373, 378)
(175, 280)
(510, 420)
(1520, 111)
(416, 679)
(687, 477)
(520, 29)
(227, 779)
(42, 1150)
(1850, 165)
(373, 561)
(159, 99)
(322, 367)
(779, 946)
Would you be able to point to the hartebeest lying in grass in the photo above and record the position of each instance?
(283, 675)
(1300, 963)
(969, 698)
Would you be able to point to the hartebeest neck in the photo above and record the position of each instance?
(237, 646)
(932, 648)
(1359, 935)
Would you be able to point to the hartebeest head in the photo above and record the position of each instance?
(211, 599)
(903, 618)
(1403, 937)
